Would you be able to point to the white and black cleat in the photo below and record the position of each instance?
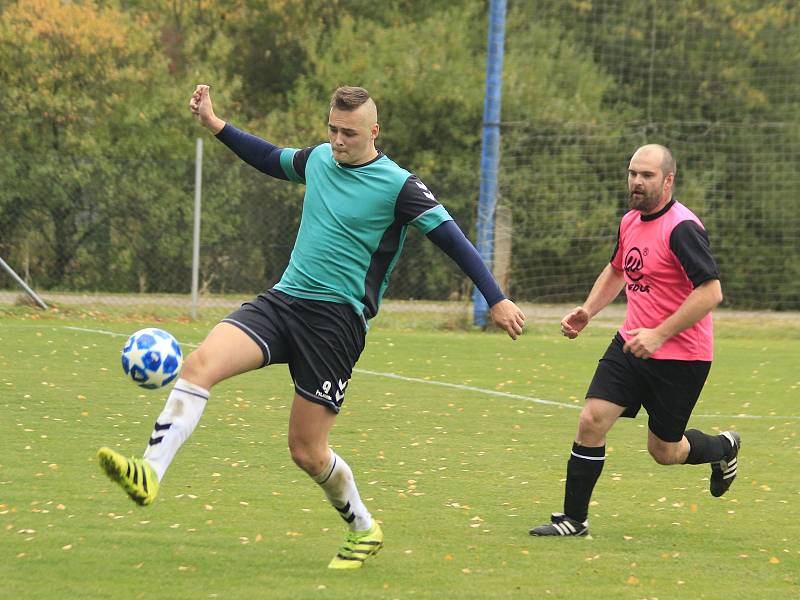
(724, 472)
(561, 525)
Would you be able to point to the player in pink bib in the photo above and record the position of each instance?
(661, 356)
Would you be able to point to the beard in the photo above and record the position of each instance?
(643, 201)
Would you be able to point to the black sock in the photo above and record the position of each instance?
(705, 448)
(583, 470)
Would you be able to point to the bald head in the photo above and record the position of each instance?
(660, 154)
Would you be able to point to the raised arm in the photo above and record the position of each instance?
(201, 106)
(253, 150)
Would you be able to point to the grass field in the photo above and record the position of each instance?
(456, 475)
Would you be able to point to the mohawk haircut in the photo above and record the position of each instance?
(349, 97)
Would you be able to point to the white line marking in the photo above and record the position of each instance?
(469, 388)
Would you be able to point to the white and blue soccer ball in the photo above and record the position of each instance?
(152, 358)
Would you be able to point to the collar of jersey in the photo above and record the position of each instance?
(369, 162)
(654, 216)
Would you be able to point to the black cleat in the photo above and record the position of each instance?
(561, 524)
(724, 472)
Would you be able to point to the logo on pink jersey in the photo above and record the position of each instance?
(634, 263)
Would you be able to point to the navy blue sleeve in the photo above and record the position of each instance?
(449, 237)
(253, 150)
(689, 243)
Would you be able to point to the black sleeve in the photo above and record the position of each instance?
(616, 245)
(300, 159)
(689, 243)
(414, 199)
(253, 150)
(449, 237)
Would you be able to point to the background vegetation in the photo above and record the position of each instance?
(97, 168)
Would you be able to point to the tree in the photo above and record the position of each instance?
(90, 146)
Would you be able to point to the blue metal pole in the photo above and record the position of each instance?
(490, 151)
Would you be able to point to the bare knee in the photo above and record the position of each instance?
(589, 421)
(592, 428)
(312, 460)
(193, 366)
(666, 453)
(660, 455)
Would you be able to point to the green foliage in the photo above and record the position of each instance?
(711, 80)
(97, 170)
(90, 133)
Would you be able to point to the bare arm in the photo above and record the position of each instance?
(702, 300)
(607, 287)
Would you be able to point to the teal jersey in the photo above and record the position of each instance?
(353, 225)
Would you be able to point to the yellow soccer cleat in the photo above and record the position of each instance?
(358, 547)
(133, 474)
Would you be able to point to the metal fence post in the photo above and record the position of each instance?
(198, 187)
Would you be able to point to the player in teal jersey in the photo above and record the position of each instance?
(357, 208)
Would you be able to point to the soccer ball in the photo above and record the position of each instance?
(151, 358)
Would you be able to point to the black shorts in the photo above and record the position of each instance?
(668, 389)
(320, 341)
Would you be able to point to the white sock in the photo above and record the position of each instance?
(339, 485)
(185, 404)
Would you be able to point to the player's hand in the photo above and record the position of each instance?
(574, 322)
(197, 96)
(508, 316)
(201, 106)
(643, 343)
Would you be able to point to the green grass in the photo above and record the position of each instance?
(455, 476)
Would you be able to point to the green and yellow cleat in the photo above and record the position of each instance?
(133, 474)
(358, 547)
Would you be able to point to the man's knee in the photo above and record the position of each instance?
(587, 421)
(193, 364)
(664, 454)
(306, 456)
(594, 422)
